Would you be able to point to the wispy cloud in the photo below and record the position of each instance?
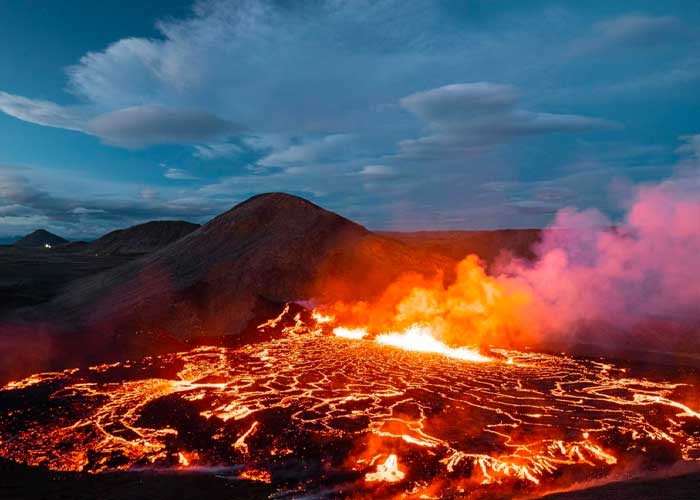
(632, 30)
(179, 174)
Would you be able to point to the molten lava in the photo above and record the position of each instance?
(387, 471)
(420, 338)
(393, 413)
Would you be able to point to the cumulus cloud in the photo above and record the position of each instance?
(469, 117)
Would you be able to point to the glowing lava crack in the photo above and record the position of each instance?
(373, 415)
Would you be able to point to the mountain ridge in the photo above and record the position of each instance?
(141, 238)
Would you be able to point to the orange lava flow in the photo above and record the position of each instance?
(397, 416)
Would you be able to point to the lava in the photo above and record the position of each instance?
(387, 471)
(395, 415)
(419, 338)
(350, 333)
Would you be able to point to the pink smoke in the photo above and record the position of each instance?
(645, 269)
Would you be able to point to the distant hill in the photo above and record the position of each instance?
(141, 239)
(40, 238)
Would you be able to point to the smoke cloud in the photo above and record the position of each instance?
(647, 268)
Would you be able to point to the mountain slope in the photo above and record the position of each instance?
(40, 238)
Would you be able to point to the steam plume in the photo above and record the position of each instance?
(645, 269)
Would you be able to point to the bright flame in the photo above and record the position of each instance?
(387, 472)
(185, 459)
(322, 319)
(423, 315)
(419, 338)
(349, 333)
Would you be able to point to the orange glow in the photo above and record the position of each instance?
(387, 472)
(350, 333)
(321, 318)
(258, 475)
(240, 444)
(420, 338)
(185, 459)
(423, 315)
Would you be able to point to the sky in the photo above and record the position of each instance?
(398, 114)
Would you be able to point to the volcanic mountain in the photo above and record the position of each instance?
(40, 238)
(271, 249)
(141, 239)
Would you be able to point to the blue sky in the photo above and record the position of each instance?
(398, 114)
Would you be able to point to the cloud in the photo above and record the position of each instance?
(632, 30)
(690, 147)
(125, 74)
(319, 86)
(329, 69)
(217, 150)
(674, 75)
(640, 29)
(328, 148)
(145, 125)
(469, 117)
(179, 174)
(132, 127)
(12, 210)
(378, 171)
(41, 112)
